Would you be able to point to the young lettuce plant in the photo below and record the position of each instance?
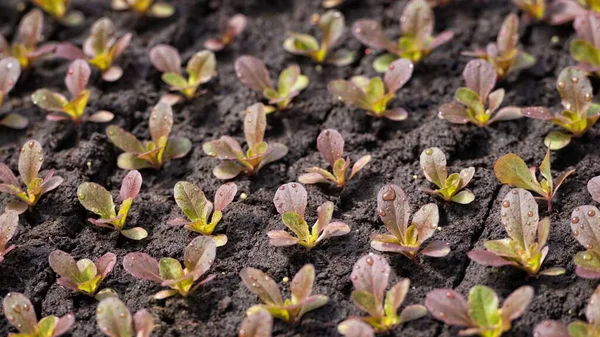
(20, 313)
(259, 153)
(9, 221)
(373, 94)
(153, 153)
(585, 225)
(253, 73)
(555, 12)
(151, 8)
(258, 324)
(586, 48)
(229, 29)
(83, 276)
(525, 248)
(416, 41)
(288, 310)
(98, 200)
(114, 319)
(394, 212)
(331, 146)
(197, 208)
(198, 256)
(10, 70)
(480, 314)
(290, 201)
(59, 11)
(450, 188)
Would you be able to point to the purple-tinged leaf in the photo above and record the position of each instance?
(331, 145)
(412, 312)
(359, 165)
(165, 58)
(508, 37)
(124, 140)
(105, 264)
(30, 161)
(592, 311)
(537, 112)
(488, 258)
(334, 229)
(312, 178)
(291, 197)
(132, 183)
(398, 73)
(516, 303)
(192, 201)
(142, 266)
(101, 116)
(253, 73)
(227, 170)
(223, 148)
(436, 249)
(31, 28)
(393, 209)
(113, 318)
(332, 25)
(586, 273)
(199, 255)
(96, 199)
(593, 186)
(417, 20)
(575, 90)
(255, 124)
(302, 284)
(65, 265)
(161, 121)
(122, 43)
(224, 196)
(426, 221)
(440, 39)
(370, 274)
(9, 222)
(214, 45)
(201, 67)
(257, 324)
(7, 176)
(520, 216)
(20, 313)
(348, 92)
(10, 70)
(550, 328)
(586, 27)
(507, 113)
(454, 113)
(112, 74)
(64, 324)
(177, 148)
(433, 163)
(280, 238)
(395, 114)
(480, 77)
(585, 225)
(370, 33)
(68, 51)
(262, 285)
(143, 323)
(275, 152)
(77, 77)
(355, 328)
(395, 297)
(448, 306)
(100, 38)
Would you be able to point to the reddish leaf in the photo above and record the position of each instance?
(593, 186)
(488, 258)
(124, 140)
(65, 265)
(10, 70)
(370, 274)
(551, 329)
(302, 284)
(31, 28)
(393, 209)
(520, 216)
(64, 324)
(587, 26)
(77, 77)
(331, 145)
(279, 238)
(161, 121)
(255, 124)
(143, 323)
(508, 37)
(426, 221)
(262, 285)
(105, 264)
(165, 58)
(291, 197)
(113, 318)
(252, 73)
(417, 20)
(516, 303)
(370, 33)
(236, 25)
(20, 313)
(30, 161)
(132, 183)
(436, 249)
(224, 196)
(258, 324)
(332, 25)
(575, 90)
(448, 306)
(398, 73)
(142, 266)
(454, 113)
(9, 222)
(480, 77)
(7, 176)
(199, 255)
(355, 328)
(348, 92)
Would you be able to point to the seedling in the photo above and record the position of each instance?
(98, 200)
(510, 169)
(331, 146)
(450, 188)
(21, 314)
(291, 310)
(114, 319)
(586, 48)
(259, 153)
(83, 276)
(228, 30)
(59, 10)
(555, 12)
(585, 225)
(9, 221)
(480, 314)
(373, 94)
(332, 25)
(144, 7)
(153, 153)
(253, 73)
(416, 40)
(290, 201)
(197, 208)
(257, 324)
(198, 256)
(10, 70)
(525, 248)
(579, 112)
(480, 78)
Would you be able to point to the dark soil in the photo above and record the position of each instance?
(83, 153)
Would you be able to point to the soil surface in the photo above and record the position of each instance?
(84, 153)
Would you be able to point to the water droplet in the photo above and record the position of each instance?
(575, 220)
(370, 261)
(81, 196)
(587, 257)
(294, 185)
(391, 67)
(591, 212)
(16, 308)
(530, 214)
(122, 315)
(389, 195)
(506, 204)
(442, 315)
(429, 152)
(575, 232)
(354, 277)
(339, 98)
(381, 212)
(30, 144)
(588, 96)
(449, 295)
(26, 307)
(589, 246)
(99, 310)
(574, 80)
(503, 214)
(282, 188)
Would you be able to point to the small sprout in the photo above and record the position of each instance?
(258, 324)
(144, 7)
(394, 211)
(153, 153)
(10, 70)
(525, 248)
(290, 310)
(98, 200)
(197, 208)
(84, 275)
(480, 314)
(259, 153)
(373, 94)
(59, 10)
(9, 221)
(331, 146)
(228, 30)
(198, 256)
(510, 169)
(585, 225)
(586, 48)
(416, 41)
(370, 279)
(480, 78)
(332, 3)
(450, 188)
(253, 73)
(114, 319)
(30, 162)
(20, 313)
(290, 201)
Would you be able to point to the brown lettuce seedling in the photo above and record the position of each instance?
(373, 94)
(525, 248)
(480, 314)
(332, 25)
(290, 201)
(585, 225)
(229, 29)
(253, 73)
(291, 310)
(394, 212)
(114, 319)
(153, 153)
(450, 188)
(9, 221)
(258, 324)
(59, 11)
(370, 279)
(197, 208)
(510, 169)
(331, 146)
(144, 7)
(83, 276)
(480, 78)
(259, 153)
(98, 200)
(416, 41)
(20, 313)
(198, 256)
(10, 70)
(586, 48)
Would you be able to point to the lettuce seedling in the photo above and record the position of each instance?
(480, 314)
(480, 78)
(290, 201)
(20, 313)
(416, 41)
(586, 48)
(9, 221)
(114, 319)
(83, 276)
(59, 11)
(152, 8)
(585, 225)
(10, 70)
(253, 73)
(450, 188)
(510, 169)
(373, 94)
(258, 324)
(31, 159)
(259, 153)
(332, 25)
(394, 212)
(98, 200)
(289, 310)
(197, 208)
(153, 153)
(228, 30)
(198, 256)
(331, 146)
(555, 12)
(525, 248)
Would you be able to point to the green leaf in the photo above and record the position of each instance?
(287, 79)
(433, 163)
(502, 247)
(170, 269)
(510, 169)
(375, 89)
(49, 100)
(175, 80)
(300, 44)
(483, 307)
(463, 197)
(96, 199)
(366, 302)
(201, 67)
(557, 140)
(114, 318)
(46, 326)
(583, 51)
(130, 161)
(470, 99)
(136, 233)
(192, 201)
(296, 224)
(382, 63)
(582, 329)
(30, 162)
(395, 297)
(589, 260)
